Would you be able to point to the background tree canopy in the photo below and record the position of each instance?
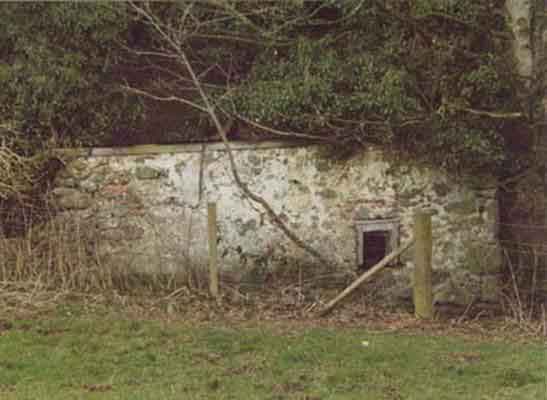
(433, 78)
(60, 73)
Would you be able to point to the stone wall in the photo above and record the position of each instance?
(149, 205)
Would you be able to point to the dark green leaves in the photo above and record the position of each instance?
(59, 70)
(421, 76)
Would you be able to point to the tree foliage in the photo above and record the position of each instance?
(429, 77)
(433, 78)
(60, 73)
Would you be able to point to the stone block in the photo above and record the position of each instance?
(89, 186)
(362, 213)
(72, 199)
(145, 172)
(322, 165)
(328, 194)
(68, 182)
(75, 169)
(118, 178)
(98, 178)
(461, 207)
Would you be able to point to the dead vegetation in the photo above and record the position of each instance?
(60, 262)
(45, 274)
(286, 308)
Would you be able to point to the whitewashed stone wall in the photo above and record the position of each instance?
(149, 205)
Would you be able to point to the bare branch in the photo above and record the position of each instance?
(241, 39)
(164, 98)
(210, 110)
(233, 11)
(152, 53)
(276, 220)
(492, 114)
(17, 173)
(157, 25)
(283, 133)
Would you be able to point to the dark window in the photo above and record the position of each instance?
(375, 247)
(375, 239)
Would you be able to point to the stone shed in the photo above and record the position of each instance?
(148, 205)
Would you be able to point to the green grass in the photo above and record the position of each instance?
(109, 357)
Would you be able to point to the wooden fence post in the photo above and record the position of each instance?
(423, 247)
(213, 256)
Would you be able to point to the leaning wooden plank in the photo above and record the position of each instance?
(381, 264)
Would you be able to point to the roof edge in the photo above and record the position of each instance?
(149, 149)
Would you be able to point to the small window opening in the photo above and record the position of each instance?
(375, 240)
(375, 247)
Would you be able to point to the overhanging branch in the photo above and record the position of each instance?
(278, 132)
(210, 110)
(175, 99)
(493, 114)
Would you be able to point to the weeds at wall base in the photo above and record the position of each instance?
(63, 254)
(58, 263)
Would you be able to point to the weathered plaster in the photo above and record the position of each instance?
(151, 207)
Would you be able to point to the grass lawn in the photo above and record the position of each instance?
(108, 356)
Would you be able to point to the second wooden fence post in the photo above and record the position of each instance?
(423, 248)
(213, 257)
